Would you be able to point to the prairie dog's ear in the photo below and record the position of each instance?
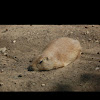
(44, 59)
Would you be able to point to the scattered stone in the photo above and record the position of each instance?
(42, 85)
(71, 32)
(5, 54)
(84, 33)
(14, 41)
(87, 32)
(83, 40)
(28, 32)
(80, 84)
(2, 70)
(96, 41)
(3, 49)
(86, 27)
(95, 38)
(97, 68)
(14, 66)
(92, 25)
(90, 62)
(20, 75)
(5, 31)
(89, 39)
(15, 77)
(33, 83)
(77, 38)
(1, 84)
(30, 60)
(21, 85)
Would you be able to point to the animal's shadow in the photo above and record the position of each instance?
(92, 79)
(63, 87)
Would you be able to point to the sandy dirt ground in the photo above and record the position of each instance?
(20, 44)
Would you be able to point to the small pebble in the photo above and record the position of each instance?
(1, 84)
(84, 33)
(80, 84)
(42, 85)
(33, 83)
(97, 68)
(15, 77)
(2, 70)
(90, 62)
(98, 53)
(86, 27)
(89, 39)
(5, 54)
(5, 31)
(87, 32)
(96, 41)
(83, 40)
(30, 61)
(14, 41)
(3, 49)
(28, 32)
(20, 75)
(95, 38)
(71, 32)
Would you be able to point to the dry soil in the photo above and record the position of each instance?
(20, 44)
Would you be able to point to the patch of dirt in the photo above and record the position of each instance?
(24, 42)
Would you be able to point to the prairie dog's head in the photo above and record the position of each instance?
(41, 63)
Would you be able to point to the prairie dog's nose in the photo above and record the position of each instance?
(30, 68)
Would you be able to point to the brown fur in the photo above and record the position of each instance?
(59, 53)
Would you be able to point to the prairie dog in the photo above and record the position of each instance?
(58, 53)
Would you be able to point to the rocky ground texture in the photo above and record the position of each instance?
(20, 44)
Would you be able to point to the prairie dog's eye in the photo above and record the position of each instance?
(40, 62)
